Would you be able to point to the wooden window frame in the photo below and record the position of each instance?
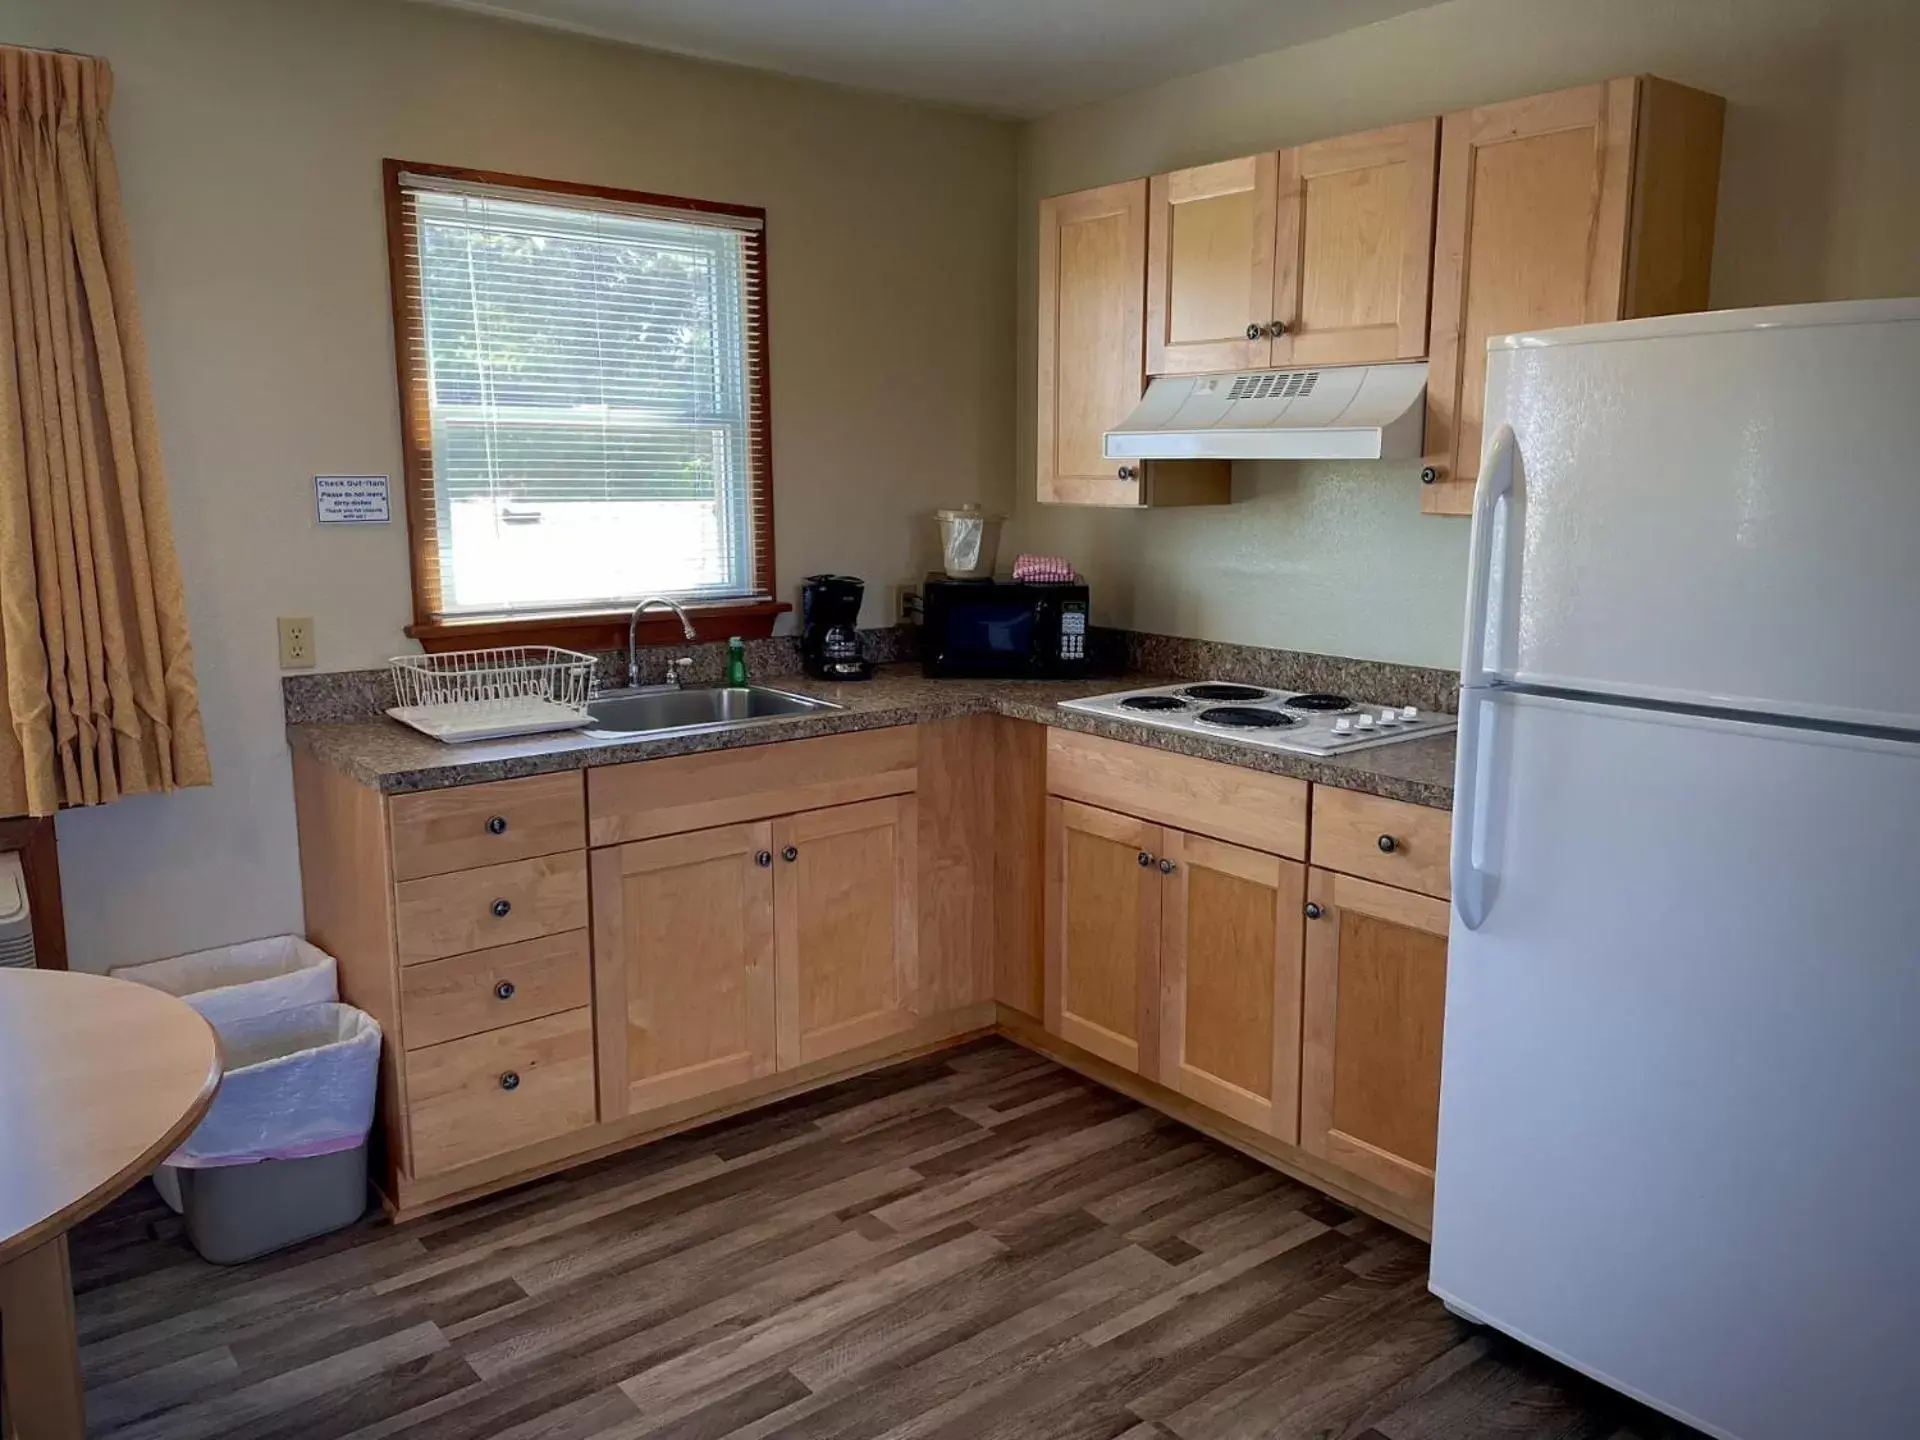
(594, 629)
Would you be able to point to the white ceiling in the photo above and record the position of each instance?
(1005, 57)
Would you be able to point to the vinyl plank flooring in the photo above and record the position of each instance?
(975, 1244)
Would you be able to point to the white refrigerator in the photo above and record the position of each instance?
(1680, 1103)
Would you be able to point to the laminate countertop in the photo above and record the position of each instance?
(387, 756)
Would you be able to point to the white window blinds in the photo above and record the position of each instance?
(585, 385)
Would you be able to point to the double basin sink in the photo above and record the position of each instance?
(662, 710)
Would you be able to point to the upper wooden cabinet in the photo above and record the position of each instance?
(1582, 206)
(1317, 255)
(1092, 298)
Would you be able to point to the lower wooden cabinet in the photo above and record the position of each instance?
(1103, 932)
(500, 1090)
(846, 927)
(1230, 980)
(1376, 980)
(683, 966)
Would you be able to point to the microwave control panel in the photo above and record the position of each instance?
(1073, 631)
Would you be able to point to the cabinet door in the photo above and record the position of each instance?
(1376, 980)
(846, 930)
(1103, 933)
(1532, 234)
(1210, 267)
(1354, 247)
(683, 973)
(1092, 293)
(1230, 980)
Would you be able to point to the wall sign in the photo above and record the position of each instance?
(351, 500)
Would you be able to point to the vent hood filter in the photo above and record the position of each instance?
(1350, 412)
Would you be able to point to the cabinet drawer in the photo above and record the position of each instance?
(494, 905)
(728, 787)
(443, 830)
(1242, 807)
(463, 995)
(468, 1099)
(1385, 840)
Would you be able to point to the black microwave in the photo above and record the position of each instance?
(1006, 629)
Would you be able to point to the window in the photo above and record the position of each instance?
(583, 387)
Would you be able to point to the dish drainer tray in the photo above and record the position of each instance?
(470, 695)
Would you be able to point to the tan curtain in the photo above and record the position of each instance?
(100, 698)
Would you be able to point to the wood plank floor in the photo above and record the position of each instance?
(977, 1244)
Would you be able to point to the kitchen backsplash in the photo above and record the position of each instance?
(346, 695)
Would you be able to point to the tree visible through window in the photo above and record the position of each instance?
(583, 376)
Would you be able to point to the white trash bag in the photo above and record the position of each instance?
(298, 1082)
(234, 982)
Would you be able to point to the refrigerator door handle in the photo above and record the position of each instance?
(1472, 886)
(1495, 485)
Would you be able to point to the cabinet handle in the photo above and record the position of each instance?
(510, 1080)
(501, 908)
(497, 825)
(1146, 860)
(1429, 474)
(790, 854)
(1314, 912)
(1388, 844)
(1167, 867)
(504, 990)
(763, 859)
(1277, 329)
(1127, 472)
(1255, 332)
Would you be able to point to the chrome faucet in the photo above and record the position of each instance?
(677, 671)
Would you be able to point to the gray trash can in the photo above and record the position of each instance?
(240, 1212)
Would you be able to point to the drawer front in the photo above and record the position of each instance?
(728, 787)
(464, 995)
(1242, 807)
(1385, 840)
(445, 830)
(494, 905)
(468, 1099)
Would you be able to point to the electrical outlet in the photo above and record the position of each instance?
(296, 642)
(906, 604)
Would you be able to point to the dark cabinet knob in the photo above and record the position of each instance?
(501, 909)
(1166, 867)
(1127, 472)
(763, 859)
(1429, 474)
(790, 854)
(1254, 332)
(497, 825)
(1388, 844)
(1146, 860)
(1277, 329)
(1314, 912)
(510, 1080)
(504, 990)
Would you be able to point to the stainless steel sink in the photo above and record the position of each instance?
(654, 711)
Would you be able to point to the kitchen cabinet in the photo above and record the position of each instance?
(683, 965)
(1315, 255)
(846, 929)
(1585, 205)
(1092, 356)
(1230, 976)
(1376, 979)
(1103, 933)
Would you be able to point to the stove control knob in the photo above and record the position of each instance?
(1409, 712)
(1343, 726)
(1364, 722)
(1389, 716)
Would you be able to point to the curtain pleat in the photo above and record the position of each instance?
(100, 697)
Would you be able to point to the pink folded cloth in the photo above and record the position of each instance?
(1042, 568)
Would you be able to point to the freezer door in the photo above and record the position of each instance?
(1680, 1080)
(1723, 515)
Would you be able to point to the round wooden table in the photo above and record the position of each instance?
(99, 1080)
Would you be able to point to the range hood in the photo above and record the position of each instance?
(1345, 412)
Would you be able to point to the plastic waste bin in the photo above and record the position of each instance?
(282, 1154)
(235, 982)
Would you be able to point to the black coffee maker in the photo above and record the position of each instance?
(829, 633)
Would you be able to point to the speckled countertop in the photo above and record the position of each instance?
(388, 756)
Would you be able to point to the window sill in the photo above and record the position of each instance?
(601, 629)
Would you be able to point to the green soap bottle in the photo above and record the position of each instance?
(736, 662)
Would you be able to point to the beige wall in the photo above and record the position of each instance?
(1820, 199)
(250, 134)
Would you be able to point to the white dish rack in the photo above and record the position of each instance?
(490, 694)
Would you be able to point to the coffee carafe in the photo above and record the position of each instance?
(829, 628)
